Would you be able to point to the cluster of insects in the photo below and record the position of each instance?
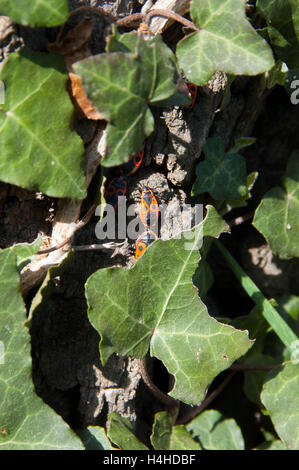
(149, 215)
(149, 211)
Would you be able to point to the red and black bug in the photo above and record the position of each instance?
(145, 239)
(149, 211)
(193, 91)
(132, 166)
(117, 188)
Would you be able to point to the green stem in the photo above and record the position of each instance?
(281, 328)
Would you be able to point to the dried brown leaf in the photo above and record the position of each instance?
(83, 106)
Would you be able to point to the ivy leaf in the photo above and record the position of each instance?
(161, 433)
(147, 52)
(280, 391)
(26, 422)
(94, 438)
(215, 432)
(221, 174)
(283, 28)
(277, 75)
(277, 215)
(26, 253)
(36, 12)
(226, 41)
(181, 439)
(241, 201)
(39, 149)
(165, 436)
(121, 85)
(121, 432)
(241, 143)
(154, 305)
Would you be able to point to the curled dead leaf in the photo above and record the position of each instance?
(74, 47)
(82, 104)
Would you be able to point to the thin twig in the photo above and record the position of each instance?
(54, 248)
(171, 15)
(98, 246)
(199, 408)
(146, 18)
(80, 224)
(131, 19)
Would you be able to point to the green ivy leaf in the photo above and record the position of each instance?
(242, 200)
(36, 12)
(127, 43)
(277, 75)
(161, 432)
(26, 253)
(39, 149)
(165, 436)
(181, 439)
(26, 422)
(277, 216)
(283, 28)
(221, 174)
(226, 41)
(121, 432)
(271, 445)
(122, 85)
(280, 397)
(154, 305)
(148, 52)
(241, 143)
(94, 438)
(214, 432)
